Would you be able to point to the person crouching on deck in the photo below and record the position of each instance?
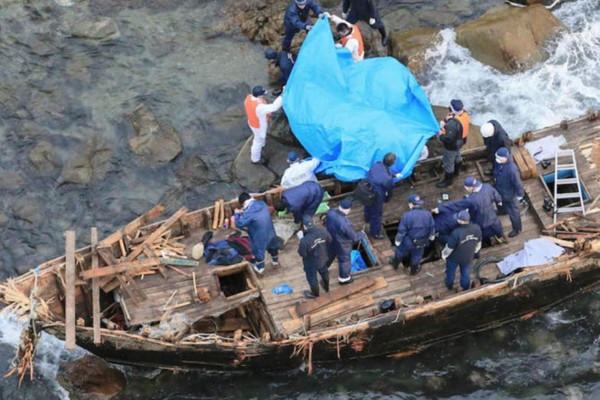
(351, 38)
(344, 237)
(463, 244)
(315, 250)
(415, 231)
(255, 218)
(302, 201)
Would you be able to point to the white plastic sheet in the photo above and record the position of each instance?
(545, 148)
(535, 252)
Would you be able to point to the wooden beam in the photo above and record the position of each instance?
(131, 266)
(131, 228)
(333, 296)
(560, 242)
(70, 290)
(95, 289)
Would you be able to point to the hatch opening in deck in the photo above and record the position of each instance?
(549, 179)
(367, 254)
(235, 280)
(431, 253)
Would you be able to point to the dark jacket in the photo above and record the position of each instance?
(342, 233)
(415, 224)
(361, 9)
(499, 139)
(285, 62)
(480, 205)
(508, 180)
(315, 247)
(256, 219)
(302, 199)
(452, 139)
(464, 241)
(296, 18)
(381, 178)
(445, 223)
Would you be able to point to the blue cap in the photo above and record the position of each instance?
(456, 105)
(502, 152)
(301, 2)
(415, 199)
(258, 91)
(292, 156)
(470, 181)
(346, 203)
(270, 54)
(463, 216)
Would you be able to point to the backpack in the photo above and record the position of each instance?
(221, 253)
(365, 193)
(241, 244)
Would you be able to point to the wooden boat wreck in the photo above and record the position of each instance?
(138, 297)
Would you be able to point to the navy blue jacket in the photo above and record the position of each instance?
(381, 178)
(508, 180)
(256, 219)
(296, 18)
(341, 231)
(415, 224)
(315, 247)
(285, 62)
(361, 9)
(464, 241)
(499, 139)
(303, 197)
(445, 223)
(480, 205)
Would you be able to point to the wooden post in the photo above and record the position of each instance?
(95, 288)
(70, 290)
(216, 215)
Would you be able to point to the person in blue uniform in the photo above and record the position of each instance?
(415, 231)
(296, 19)
(508, 183)
(480, 203)
(315, 250)
(344, 237)
(302, 201)
(494, 137)
(364, 10)
(445, 223)
(284, 60)
(464, 242)
(254, 217)
(382, 179)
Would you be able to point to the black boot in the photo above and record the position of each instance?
(325, 283)
(395, 263)
(457, 167)
(446, 182)
(313, 292)
(384, 40)
(414, 269)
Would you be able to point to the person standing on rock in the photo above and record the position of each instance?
(302, 201)
(344, 237)
(254, 217)
(508, 183)
(364, 10)
(463, 244)
(258, 112)
(451, 139)
(381, 178)
(299, 171)
(314, 249)
(284, 60)
(296, 19)
(494, 137)
(351, 38)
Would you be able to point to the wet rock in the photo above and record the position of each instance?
(43, 44)
(43, 158)
(438, 18)
(27, 210)
(196, 172)
(155, 141)
(90, 378)
(371, 41)
(435, 383)
(410, 47)
(510, 39)
(89, 163)
(279, 129)
(10, 180)
(399, 20)
(500, 335)
(463, 8)
(228, 94)
(481, 378)
(8, 99)
(96, 28)
(3, 218)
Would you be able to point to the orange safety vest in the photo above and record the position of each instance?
(356, 35)
(464, 120)
(250, 105)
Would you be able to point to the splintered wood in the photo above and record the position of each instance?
(578, 232)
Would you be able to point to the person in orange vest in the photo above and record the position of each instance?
(457, 110)
(351, 37)
(258, 112)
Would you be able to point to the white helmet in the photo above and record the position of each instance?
(487, 130)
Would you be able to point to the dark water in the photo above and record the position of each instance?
(71, 96)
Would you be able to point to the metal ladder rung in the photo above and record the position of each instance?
(566, 181)
(563, 167)
(570, 195)
(562, 164)
(564, 153)
(568, 209)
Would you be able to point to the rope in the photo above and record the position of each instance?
(486, 261)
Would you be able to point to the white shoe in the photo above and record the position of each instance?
(275, 263)
(259, 271)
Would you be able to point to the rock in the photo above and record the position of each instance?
(90, 378)
(329, 3)
(410, 47)
(371, 41)
(279, 129)
(8, 99)
(464, 8)
(43, 44)
(96, 28)
(229, 126)
(10, 180)
(196, 172)
(43, 158)
(510, 39)
(261, 21)
(28, 211)
(400, 20)
(481, 378)
(438, 18)
(156, 142)
(3, 218)
(89, 163)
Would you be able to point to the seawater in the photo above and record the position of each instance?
(551, 356)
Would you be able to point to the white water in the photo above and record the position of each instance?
(563, 87)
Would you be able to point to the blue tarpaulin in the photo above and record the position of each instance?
(349, 114)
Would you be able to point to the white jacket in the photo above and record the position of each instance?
(299, 173)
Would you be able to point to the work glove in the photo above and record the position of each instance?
(520, 199)
(442, 124)
(399, 175)
(432, 237)
(371, 21)
(326, 15)
(344, 15)
(397, 243)
(308, 28)
(435, 211)
(500, 204)
(444, 256)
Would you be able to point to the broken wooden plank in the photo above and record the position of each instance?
(95, 289)
(132, 227)
(70, 290)
(131, 266)
(333, 296)
(216, 215)
(179, 271)
(560, 242)
(221, 213)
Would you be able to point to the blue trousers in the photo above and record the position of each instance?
(311, 270)
(493, 230)
(373, 215)
(511, 207)
(407, 248)
(353, 19)
(465, 274)
(344, 262)
(272, 249)
(290, 32)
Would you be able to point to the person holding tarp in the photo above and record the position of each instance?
(381, 179)
(296, 19)
(302, 201)
(258, 112)
(508, 183)
(364, 10)
(314, 249)
(351, 38)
